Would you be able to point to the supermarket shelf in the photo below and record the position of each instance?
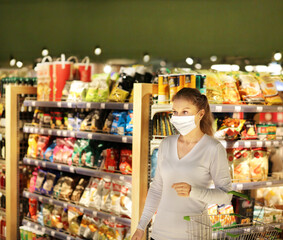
(2, 161)
(252, 143)
(256, 185)
(49, 231)
(72, 169)
(88, 211)
(86, 105)
(3, 191)
(156, 108)
(78, 134)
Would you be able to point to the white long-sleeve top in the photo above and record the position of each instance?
(206, 162)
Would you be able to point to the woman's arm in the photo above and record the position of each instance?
(220, 174)
(153, 195)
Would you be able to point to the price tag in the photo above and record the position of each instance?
(59, 167)
(280, 109)
(40, 199)
(50, 201)
(44, 164)
(52, 233)
(36, 227)
(27, 194)
(59, 104)
(237, 109)
(247, 144)
(49, 132)
(33, 103)
(88, 105)
(267, 143)
(89, 136)
(43, 230)
(73, 134)
(32, 130)
(218, 109)
(259, 108)
(72, 169)
(82, 210)
(124, 139)
(268, 183)
(236, 145)
(65, 133)
(247, 230)
(276, 143)
(94, 214)
(65, 205)
(69, 105)
(126, 106)
(102, 105)
(259, 143)
(28, 161)
(113, 219)
(239, 186)
(59, 133)
(261, 229)
(29, 224)
(36, 130)
(122, 178)
(68, 238)
(41, 131)
(36, 163)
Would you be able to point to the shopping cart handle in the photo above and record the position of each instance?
(240, 195)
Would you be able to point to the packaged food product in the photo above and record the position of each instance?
(129, 124)
(96, 189)
(214, 86)
(86, 155)
(32, 145)
(106, 197)
(249, 131)
(212, 211)
(271, 131)
(89, 227)
(77, 193)
(67, 188)
(125, 161)
(57, 188)
(230, 129)
(173, 85)
(127, 234)
(126, 200)
(58, 150)
(119, 231)
(56, 217)
(32, 183)
(230, 91)
(42, 144)
(111, 158)
(94, 121)
(39, 180)
(242, 157)
(77, 152)
(163, 89)
(268, 87)
(115, 197)
(118, 95)
(45, 120)
(85, 199)
(58, 120)
(36, 117)
(250, 90)
(259, 164)
(119, 123)
(230, 157)
(33, 208)
(73, 220)
(98, 90)
(77, 91)
(48, 154)
(46, 212)
(47, 187)
(262, 131)
(190, 80)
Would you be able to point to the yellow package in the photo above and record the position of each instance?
(241, 165)
(214, 86)
(259, 164)
(230, 91)
(225, 218)
(32, 145)
(163, 89)
(212, 211)
(268, 87)
(118, 95)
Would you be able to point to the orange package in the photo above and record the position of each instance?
(214, 87)
(259, 164)
(230, 91)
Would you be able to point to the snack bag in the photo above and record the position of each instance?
(77, 193)
(86, 156)
(213, 215)
(86, 220)
(214, 86)
(108, 123)
(106, 197)
(126, 200)
(225, 218)
(45, 120)
(250, 90)
(58, 187)
(42, 144)
(115, 197)
(47, 187)
(242, 157)
(48, 154)
(129, 123)
(36, 117)
(33, 208)
(230, 129)
(32, 143)
(249, 131)
(230, 91)
(111, 158)
(56, 217)
(268, 87)
(39, 180)
(58, 150)
(125, 161)
(46, 212)
(67, 151)
(77, 91)
(89, 227)
(119, 123)
(32, 183)
(98, 90)
(96, 190)
(67, 188)
(119, 231)
(259, 164)
(85, 199)
(73, 220)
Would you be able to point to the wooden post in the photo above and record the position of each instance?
(142, 93)
(12, 155)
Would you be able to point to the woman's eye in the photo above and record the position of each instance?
(175, 113)
(185, 113)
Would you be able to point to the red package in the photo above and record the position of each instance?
(111, 160)
(126, 161)
(58, 150)
(33, 208)
(42, 145)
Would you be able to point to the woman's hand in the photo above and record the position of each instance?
(183, 189)
(138, 235)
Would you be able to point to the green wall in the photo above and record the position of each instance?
(126, 29)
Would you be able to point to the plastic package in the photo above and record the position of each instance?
(242, 157)
(126, 200)
(32, 143)
(119, 123)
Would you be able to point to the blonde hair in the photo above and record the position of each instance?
(200, 101)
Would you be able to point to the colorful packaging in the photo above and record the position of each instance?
(190, 80)
(126, 200)
(46, 212)
(108, 123)
(125, 161)
(230, 129)
(115, 197)
(163, 89)
(173, 85)
(214, 86)
(67, 188)
(77, 91)
(119, 123)
(47, 187)
(96, 189)
(58, 187)
(213, 215)
(73, 220)
(56, 217)
(242, 157)
(230, 91)
(106, 197)
(48, 154)
(259, 164)
(225, 218)
(77, 193)
(39, 180)
(262, 131)
(32, 183)
(129, 124)
(42, 144)
(33, 208)
(249, 131)
(32, 143)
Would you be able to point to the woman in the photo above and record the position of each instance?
(186, 165)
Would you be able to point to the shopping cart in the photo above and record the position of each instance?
(224, 226)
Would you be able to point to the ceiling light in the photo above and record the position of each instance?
(198, 66)
(97, 51)
(107, 69)
(213, 58)
(249, 68)
(277, 56)
(44, 52)
(163, 63)
(146, 58)
(19, 64)
(12, 62)
(189, 61)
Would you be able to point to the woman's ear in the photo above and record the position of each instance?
(202, 113)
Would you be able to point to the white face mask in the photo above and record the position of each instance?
(184, 124)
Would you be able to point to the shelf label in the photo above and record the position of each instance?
(40, 199)
(65, 133)
(72, 169)
(126, 106)
(36, 130)
(88, 105)
(29, 224)
(59, 104)
(259, 108)
(68, 238)
(89, 136)
(36, 163)
(49, 132)
(276, 143)
(236, 145)
(102, 105)
(41, 131)
(237, 109)
(73, 134)
(280, 109)
(247, 230)
(261, 229)
(124, 139)
(247, 144)
(33, 103)
(267, 143)
(44, 164)
(52, 233)
(259, 143)
(122, 178)
(28, 161)
(59, 167)
(50, 201)
(268, 183)
(69, 104)
(82, 210)
(32, 130)
(43, 230)
(94, 214)
(27, 194)
(239, 186)
(113, 219)
(59, 133)
(218, 108)
(36, 227)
